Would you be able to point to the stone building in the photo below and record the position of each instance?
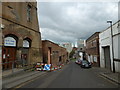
(21, 39)
(53, 53)
(92, 49)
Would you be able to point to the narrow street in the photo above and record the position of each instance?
(70, 76)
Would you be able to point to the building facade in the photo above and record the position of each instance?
(92, 49)
(81, 44)
(53, 53)
(110, 52)
(68, 46)
(21, 39)
(81, 49)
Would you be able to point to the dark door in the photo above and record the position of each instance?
(107, 57)
(49, 56)
(24, 56)
(8, 57)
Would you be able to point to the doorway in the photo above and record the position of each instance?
(8, 57)
(24, 56)
(49, 55)
(107, 57)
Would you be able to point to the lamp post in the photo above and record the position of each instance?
(112, 46)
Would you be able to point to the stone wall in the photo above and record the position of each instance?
(14, 18)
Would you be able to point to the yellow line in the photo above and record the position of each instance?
(28, 81)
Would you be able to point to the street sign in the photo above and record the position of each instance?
(47, 67)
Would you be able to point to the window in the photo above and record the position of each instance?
(9, 41)
(94, 43)
(26, 44)
(29, 13)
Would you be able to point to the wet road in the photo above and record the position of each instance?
(71, 76)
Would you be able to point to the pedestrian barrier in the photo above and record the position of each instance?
(60, 67)
(47, 67)
(52, 69)
(39, 66)
(55, 67)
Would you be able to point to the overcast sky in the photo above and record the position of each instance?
(69, 21)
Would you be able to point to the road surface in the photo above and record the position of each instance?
(70, 76)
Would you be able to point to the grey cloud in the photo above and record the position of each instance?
(69, 21)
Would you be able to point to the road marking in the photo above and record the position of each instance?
(28, 81)
(24, 83)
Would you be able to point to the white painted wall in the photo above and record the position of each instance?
(81, 55)
(89, 58)
(116, 43)
(105, 40)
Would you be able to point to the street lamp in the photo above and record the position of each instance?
(112, 46)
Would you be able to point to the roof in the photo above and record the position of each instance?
(110, 26)
(52, 43)
(93, 35)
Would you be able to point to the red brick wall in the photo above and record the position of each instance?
(92, 46)
(56, 52)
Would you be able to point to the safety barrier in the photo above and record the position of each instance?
(47, 67)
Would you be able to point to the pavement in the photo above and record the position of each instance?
(7, 73)
(11, 80)
(114, 77)
(108, 74)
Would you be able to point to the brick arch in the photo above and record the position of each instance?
(13, 36)
(12, 33)
(29, 40)
(29, 37)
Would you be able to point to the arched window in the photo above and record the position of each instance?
(10, 41)
(26, 43)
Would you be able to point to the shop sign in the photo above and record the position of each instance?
(9, 41)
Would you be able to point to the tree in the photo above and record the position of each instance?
(71, 54)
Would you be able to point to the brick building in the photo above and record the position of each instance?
(53, 53)
(21, 39)
(92, 49)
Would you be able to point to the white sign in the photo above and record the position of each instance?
(26, 43)
(9, 41)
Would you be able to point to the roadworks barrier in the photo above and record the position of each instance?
(47, 67)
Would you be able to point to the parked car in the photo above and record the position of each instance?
(78, 62)
(85, 64)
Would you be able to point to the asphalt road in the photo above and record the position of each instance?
(70, 76)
